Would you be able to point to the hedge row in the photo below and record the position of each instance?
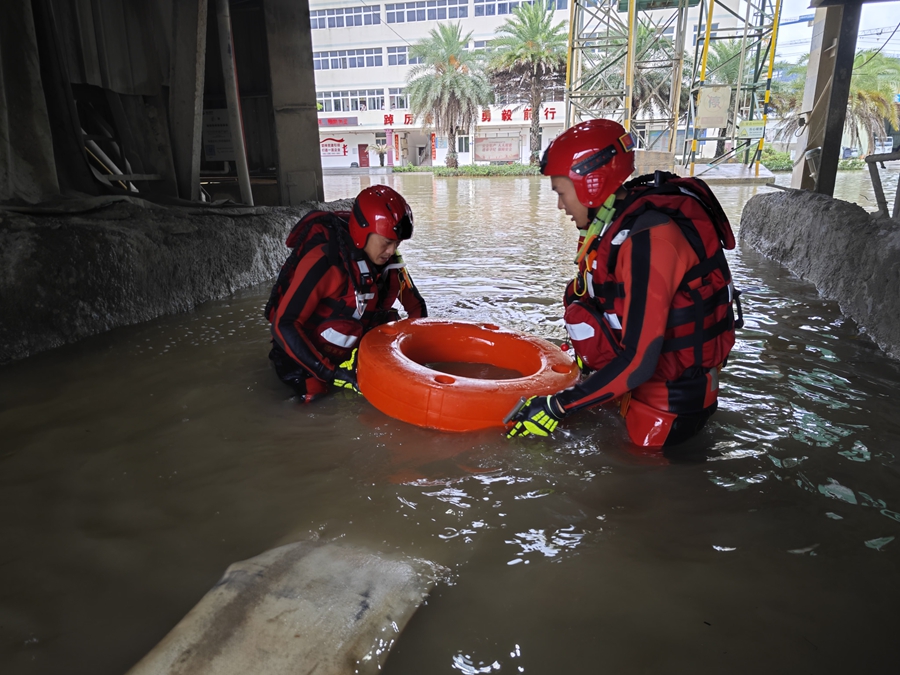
(772, 160)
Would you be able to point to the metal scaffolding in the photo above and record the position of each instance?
(753, 37)
(628, 62)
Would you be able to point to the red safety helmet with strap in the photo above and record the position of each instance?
(382, 210)
(596, 155)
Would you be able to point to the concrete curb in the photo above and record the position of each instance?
(65, 276)
(849, 255)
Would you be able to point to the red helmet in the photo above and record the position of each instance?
(382, 210)
(597, 155)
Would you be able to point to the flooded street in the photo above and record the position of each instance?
(135, 466)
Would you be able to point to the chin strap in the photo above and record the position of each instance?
(598, 225)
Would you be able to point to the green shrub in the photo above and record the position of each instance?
(781, 161)
(474, 170)
(776, 161)
(851, 164)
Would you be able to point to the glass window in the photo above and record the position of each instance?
(428, 10)
(345, 16)
(398, 98)
(348, 58)
(462, 144)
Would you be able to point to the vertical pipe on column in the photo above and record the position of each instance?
(229, 73)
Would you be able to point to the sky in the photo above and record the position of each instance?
(877, 21)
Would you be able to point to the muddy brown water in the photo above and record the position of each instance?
(137, 465)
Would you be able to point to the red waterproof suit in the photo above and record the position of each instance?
(327, 296)
(650, 311)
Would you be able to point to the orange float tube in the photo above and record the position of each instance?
(394, 375)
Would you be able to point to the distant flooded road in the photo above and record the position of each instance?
(137, 465)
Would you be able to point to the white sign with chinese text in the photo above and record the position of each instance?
(497, 149)
(712, 110)
(333, 147)
(217, 146)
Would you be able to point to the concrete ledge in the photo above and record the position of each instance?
(850, 256)
(302, 608)
(78, 269)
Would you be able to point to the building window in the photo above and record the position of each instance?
(398, 56)
(712, 32)
(398, 98)
(462, 144)
(348, 58)
(429, 10)
(350, 101)
(447, 9)
(380, 138)
(347, 16)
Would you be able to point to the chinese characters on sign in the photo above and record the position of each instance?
(333, 147)
(712, 110)
(496, 149)
(338, 121)
(506, 115)
(433, 148)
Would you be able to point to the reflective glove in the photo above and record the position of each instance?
(538, 416)
(345, 374)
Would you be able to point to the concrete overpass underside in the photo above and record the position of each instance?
(108, 98)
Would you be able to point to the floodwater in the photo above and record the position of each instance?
(137, 465)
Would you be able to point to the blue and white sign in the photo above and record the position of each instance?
(896, 98)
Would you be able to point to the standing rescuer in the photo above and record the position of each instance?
(341, 279)
(650, 310)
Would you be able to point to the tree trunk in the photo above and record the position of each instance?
(536, 100)
(452, 160)
(381, 158)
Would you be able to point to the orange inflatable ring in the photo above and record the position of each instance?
(394, 376)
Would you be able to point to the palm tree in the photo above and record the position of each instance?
(380, 150)
(652, 87)
(870, 104)
(529, 49)
(875, 80)
(448, 87)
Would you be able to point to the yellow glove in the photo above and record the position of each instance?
(538, 416)
(345, 374)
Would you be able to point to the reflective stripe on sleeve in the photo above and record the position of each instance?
(337, 338)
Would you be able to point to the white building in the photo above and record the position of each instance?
(360, 56)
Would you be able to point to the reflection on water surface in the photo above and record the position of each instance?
(138, 464)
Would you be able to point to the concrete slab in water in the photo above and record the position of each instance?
(306, 607)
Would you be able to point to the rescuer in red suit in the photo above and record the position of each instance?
(341, 279)
(650, 310)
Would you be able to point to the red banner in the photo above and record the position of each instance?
(433, 148)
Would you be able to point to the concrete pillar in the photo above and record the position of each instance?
(825, 96)
(840, 93)
(186, 93)
(294, 100)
